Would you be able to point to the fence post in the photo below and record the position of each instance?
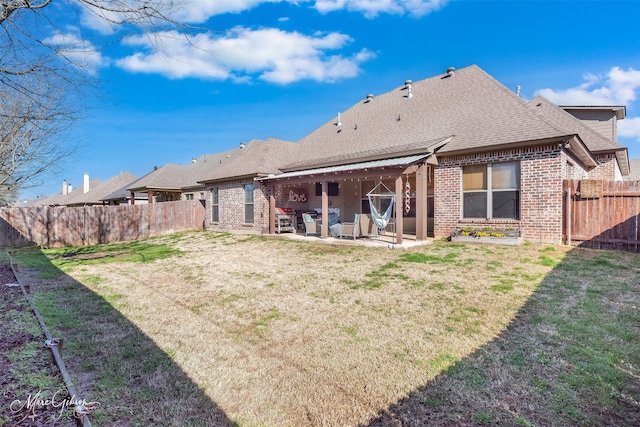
(569, 214)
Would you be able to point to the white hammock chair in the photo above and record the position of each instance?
(381, 221)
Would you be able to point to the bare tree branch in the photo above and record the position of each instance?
(45, 73)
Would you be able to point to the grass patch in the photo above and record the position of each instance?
(437, 335)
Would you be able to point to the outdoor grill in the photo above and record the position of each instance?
(285, 220)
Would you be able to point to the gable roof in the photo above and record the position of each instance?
(470, 106)
(595, 142)
(256, 158)
(98, 190)
(60, 199)
(176, 178)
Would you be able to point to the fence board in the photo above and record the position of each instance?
(77, 226)
(611, 221)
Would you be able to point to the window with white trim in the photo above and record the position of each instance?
(491, 191)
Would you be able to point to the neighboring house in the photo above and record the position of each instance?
(31, 202)
(458, 149)
(173, 182)
(91, 193)
(95, 191)
(68, 193)
(634, 173)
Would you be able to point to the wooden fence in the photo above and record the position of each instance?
(602, 214)
(52, 227)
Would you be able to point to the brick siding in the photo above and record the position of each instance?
(542, 170)
(231, 207)
(607, 168)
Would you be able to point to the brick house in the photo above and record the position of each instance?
(457, 149)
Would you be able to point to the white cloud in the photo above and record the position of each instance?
(199, 11)
(616, 87)
(372, 8)
(629, 128)
(81, 53)
(271, 54)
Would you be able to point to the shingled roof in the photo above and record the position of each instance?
(634, 173)
(595, 142)
(469, 105)
(98, 190)
(175, 177)
(256, 158)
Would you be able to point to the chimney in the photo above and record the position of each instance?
(65, 188)
(86, 183)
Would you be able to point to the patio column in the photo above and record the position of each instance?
(324, 233)
(272, 210)
(150, 196)
(421, 202)
(133, 198)
(399, 209)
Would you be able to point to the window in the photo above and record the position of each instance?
(248, 204)
(491, 191)
(188, 196)
(215, 206)
(332, 189)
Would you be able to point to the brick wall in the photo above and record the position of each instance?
(607, 168)
(231, 207)
(542, 170)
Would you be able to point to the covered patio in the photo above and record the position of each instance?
(338, 193)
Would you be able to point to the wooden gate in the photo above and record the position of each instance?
(602, 214)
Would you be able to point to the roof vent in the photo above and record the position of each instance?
(518, 88)
(338, 122)
(407, 86)
(242, 145)
(451, 71)
(369, 97)
(193, 160)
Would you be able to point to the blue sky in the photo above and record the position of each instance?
(268, 68)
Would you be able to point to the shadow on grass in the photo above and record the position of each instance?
(570, 357)
(112, 362)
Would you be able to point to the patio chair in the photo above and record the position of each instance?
(350, 229)
(311, 226)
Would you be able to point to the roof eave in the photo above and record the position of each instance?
(249, 176)
(427, 149)
(506, 146)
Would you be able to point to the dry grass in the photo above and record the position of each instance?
(282, 333)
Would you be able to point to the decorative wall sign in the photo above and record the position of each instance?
(298, 195)
(591, 188)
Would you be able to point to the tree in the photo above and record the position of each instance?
(30, 139)
(45, 74)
